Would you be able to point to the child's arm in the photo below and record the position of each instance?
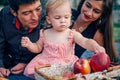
(86, 43)
(33, 47)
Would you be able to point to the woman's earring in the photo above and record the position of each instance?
(99, 22)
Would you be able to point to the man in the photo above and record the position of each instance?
(22, 18)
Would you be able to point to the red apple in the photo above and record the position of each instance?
(82, 66)
(99, 62)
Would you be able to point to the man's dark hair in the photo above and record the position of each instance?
(14, 4)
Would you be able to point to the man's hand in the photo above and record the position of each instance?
(4, 72)
(19, 68)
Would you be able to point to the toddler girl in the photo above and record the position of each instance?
(56, 44)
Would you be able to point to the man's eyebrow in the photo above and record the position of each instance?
(31, 10)
(40, 5)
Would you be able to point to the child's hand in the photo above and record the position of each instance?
(25, 41)
(99, 49)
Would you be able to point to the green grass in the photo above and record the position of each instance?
(117, 32)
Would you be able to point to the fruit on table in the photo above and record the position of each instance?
(82, 66)
(99, 62)
(1, 78)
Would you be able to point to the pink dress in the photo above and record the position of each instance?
(52, 54)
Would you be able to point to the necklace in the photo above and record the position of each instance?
(81, 29)
(78, 27)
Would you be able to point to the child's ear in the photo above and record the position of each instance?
(48, 20)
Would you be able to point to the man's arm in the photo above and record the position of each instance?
(2, 39)
(3, 72)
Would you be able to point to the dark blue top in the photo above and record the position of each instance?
(10, 39)
(88, 33)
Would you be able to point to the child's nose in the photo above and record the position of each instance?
(62, 19)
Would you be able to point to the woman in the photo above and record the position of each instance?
(95, 21)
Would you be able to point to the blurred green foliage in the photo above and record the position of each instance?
(117, 25)
(3, 2)
(117, 32)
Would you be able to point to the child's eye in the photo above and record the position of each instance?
(57, 17)
(67, 16)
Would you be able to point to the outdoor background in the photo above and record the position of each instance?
(74, 3)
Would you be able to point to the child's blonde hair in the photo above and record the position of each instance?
(53, 4)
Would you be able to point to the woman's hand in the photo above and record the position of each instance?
(4, 72)
(19, 68)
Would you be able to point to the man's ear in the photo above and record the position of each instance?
(48, 20)
(13, 12)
